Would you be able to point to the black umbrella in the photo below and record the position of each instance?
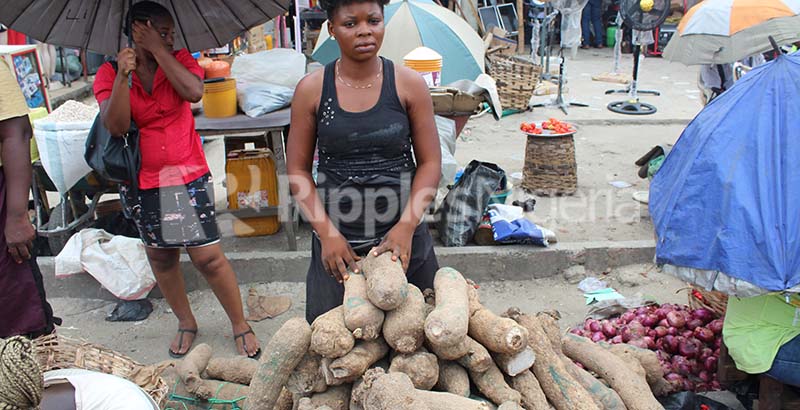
(96, 25)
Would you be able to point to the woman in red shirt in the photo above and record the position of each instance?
(176, 196)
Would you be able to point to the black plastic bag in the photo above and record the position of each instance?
(465, 204)
(131, 311)
(690, 401)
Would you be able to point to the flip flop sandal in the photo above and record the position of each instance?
(244, 343)
(182, 332)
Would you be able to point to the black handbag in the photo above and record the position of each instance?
(116, 159)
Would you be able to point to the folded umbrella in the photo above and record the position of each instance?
(96, 25)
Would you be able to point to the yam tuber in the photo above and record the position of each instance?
(477, 358)
(421, 366)
(473, 296)
(453, 352)
(278, 359)
(453, 379)
(387, 284)
(514, 364)
(390, 391)
(602, 394)
(352, 365)
(510, 405)
(561, 389)
(307, 376)
(653, 371)
(360, 316)
(190, 368)
(633, 390)
(403, 328)
(285, 400)
(501, 335)
(533, 398)
(330, 337)
(335, 398)
(448, 324)
(449, 401)
(232, 369)
(492, 385)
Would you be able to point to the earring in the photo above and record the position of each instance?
(333, 37)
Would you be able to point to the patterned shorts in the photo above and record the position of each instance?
(176, 216)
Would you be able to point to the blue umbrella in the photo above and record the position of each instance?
(726, 202)
(414, 23)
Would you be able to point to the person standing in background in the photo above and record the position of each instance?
(592, 15)
(25, 310)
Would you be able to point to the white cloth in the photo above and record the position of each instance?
(100, 391)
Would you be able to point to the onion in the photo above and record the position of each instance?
(717, 343)
(670, 343)
(704, 354)
(716, 326)
(694, 324)
(598, 337)
(695, 367)
(663, 323)
(673, 377)
(715, 385)
(666, 367)
(637, 330)
(627, 317)
(640, 343)
(711, 364)
(675, 319)
(661, 331)
(701, 387)
(642, 311)
(703, 314)
(688, 385)
(592, 325)
(576, 331)
(649, 342)
(687, 333)
(689, 348)
(616, 340)
(681, 365)
(579, 364)
(661, 312)
(650, 320)
(652, 333)
(704, 334)
(674, 331)
(608, 329)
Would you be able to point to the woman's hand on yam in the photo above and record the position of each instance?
(338, 257)
(398, 242)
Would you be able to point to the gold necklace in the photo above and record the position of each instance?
(357, 87)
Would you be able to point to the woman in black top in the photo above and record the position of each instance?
(365, 115)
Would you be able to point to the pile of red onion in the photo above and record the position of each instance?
(686, 341)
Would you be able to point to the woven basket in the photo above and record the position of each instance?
(550, 167)
(58, 352)
(716, 302)
(516, 79)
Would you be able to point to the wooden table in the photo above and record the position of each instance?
(269, 128)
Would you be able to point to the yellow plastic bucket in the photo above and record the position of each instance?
(219, 98)
(426, 62)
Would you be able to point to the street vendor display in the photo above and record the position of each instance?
(550, 166)
(173, 204)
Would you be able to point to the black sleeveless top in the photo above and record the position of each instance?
(365, 162)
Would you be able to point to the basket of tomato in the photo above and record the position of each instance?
(550, 166)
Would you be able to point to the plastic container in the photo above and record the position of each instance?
(35, 114)
(219, 98)
(252, 182)
(268, 41)
(426, 62)
(499, 197)
(611, 36)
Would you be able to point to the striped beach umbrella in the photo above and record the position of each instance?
(414, 23)
(725, 31)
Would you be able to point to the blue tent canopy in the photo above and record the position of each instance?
(727, 198)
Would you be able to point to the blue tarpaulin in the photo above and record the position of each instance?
(727, 198)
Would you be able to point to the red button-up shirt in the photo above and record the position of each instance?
(172, 153)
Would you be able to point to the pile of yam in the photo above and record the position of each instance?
(388, 347)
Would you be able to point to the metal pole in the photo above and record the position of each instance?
(297, 35)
